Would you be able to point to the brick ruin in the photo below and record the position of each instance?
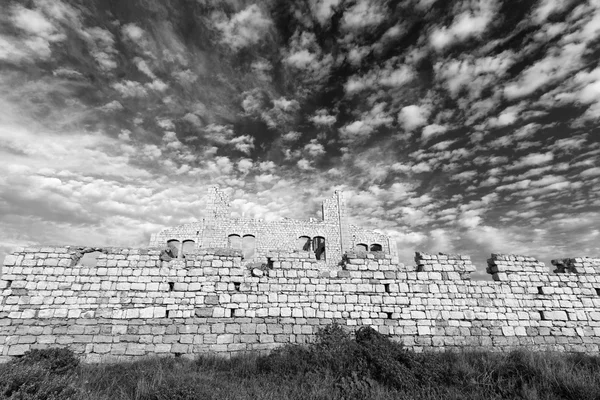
(328, 239)
(132, 303)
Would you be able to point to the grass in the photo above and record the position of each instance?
(337, 366)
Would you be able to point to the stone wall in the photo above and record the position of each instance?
(131, 304)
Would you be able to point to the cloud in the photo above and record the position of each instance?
(314, 149)
(323, 9)
(590, 172)
(413, 116)
(388, 76)
(507, 117)
(157, 85)
(304, 164)
(563, 57)
(323, 118)
(465, 176)
(359, 130)
(245, 165)
(468, 24)
(291, 136)
(546, 8)
(432, 130)
(185, 77)
(38, 35)
(112, 106)
(132, 32)
(301, 59)
(307, 58)
(534, 159)
(473, 74)
(244, 143)
(363, 14)
(32, 21)
(243, 29)
(569, 144)
(101, 45)
(130, 89)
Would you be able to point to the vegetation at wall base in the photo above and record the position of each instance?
(337, 365)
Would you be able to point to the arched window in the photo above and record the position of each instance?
(188, 247)
(234, 242)
(376, 247)
(173, 248)
(319, 247)
(304, 243)
(361, 247)
(248, 247)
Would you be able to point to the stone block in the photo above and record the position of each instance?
(424, 330)
(10, 260)
(18, 349)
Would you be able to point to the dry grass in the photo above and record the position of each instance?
(368, 366)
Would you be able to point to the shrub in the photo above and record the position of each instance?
(40, 375)
(55, 360)
(388, 362)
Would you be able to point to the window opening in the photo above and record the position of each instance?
(319, 247)
(542, 316)
(376, 247)
(236, 286)
(168, 312)
(361, 247)
(248, 247)
(187, 247)
(540, 290)
(597, 291)
(304, 243)
(389, 314)
(387, 287)
(234, 242)
(171, 286)
(173, 248)
(9, 283)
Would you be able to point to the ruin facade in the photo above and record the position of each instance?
(327, 239)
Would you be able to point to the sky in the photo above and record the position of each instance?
(466, 126)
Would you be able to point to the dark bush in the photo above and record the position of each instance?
(388, 362)
(55, 360)
(40, 375)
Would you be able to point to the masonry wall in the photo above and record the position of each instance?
(131, 304)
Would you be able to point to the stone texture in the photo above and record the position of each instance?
(136, 305)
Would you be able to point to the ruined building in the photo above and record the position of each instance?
(327, 239)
